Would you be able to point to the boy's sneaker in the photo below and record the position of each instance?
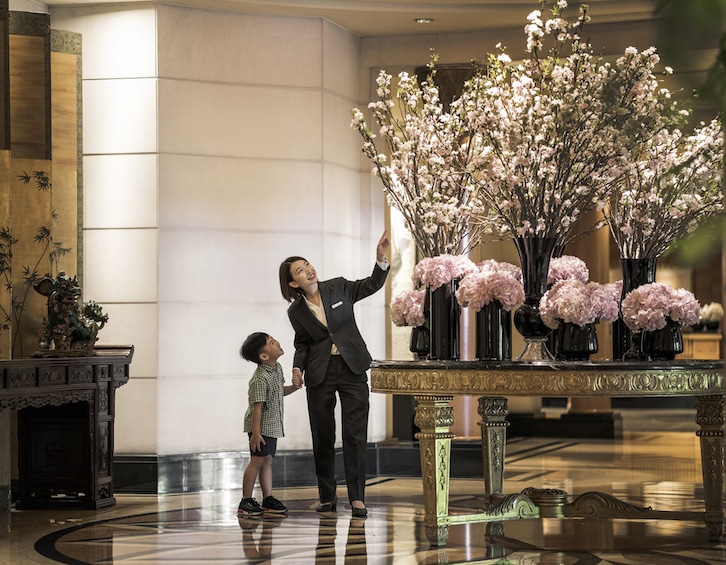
(249, 507)
(271, 504)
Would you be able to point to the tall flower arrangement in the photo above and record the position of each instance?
(547, 132)
(672, 183)
(425, 173)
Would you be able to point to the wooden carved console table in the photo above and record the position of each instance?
(434, 383)
(66, 415)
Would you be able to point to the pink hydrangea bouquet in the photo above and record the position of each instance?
(646, 307)
(407, 308)
(573, 301)
(567, 267)
(434, 272)
(498, 266)
(492, 281)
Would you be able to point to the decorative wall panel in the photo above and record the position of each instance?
(42, 202)
(29, 85)
(66, 145)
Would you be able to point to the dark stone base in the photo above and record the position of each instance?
(152, 474)
(604, 426)
(215, 471)
(193, 473)
(65, 502)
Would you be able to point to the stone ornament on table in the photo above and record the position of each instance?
(71, 327)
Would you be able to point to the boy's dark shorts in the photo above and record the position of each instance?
(270, 447)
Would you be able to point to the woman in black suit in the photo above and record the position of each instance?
(332, 355)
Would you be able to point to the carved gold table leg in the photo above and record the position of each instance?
(434, 416)
(710, 418)
(493, 411)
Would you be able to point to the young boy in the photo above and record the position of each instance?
(263, 421)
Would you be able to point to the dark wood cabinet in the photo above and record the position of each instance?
(66, 412)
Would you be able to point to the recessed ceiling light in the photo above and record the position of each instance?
(423, 20)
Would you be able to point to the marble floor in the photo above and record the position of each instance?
(656, 464)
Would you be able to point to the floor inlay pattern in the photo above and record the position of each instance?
(645, 468)
(392, 534)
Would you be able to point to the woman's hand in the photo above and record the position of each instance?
(297, 378)
(383, 244)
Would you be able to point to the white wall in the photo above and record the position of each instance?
(120, 171)
(215, 145)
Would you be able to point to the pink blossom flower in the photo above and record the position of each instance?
(646, 307)
(423, 167)
(435, 272)
(671, 184)
(407, 308)
(526, 116)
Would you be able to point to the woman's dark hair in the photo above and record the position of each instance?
(289, 293)
(252, 346)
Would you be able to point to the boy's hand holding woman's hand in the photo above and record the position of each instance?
(297, 378)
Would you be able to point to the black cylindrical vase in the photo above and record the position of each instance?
(493, 333)
(534, 258)
(663, 344)
(444, 314)
(636, 272)
(576, 343)
(420, 342)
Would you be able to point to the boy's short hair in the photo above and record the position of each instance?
(252, 346)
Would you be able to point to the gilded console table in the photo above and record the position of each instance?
(434, 384)
(66, 425)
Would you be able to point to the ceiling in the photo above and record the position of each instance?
(385, 17)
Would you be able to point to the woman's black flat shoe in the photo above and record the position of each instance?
(327, 506)
(359, 512)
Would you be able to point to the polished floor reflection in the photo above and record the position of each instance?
(655, 464)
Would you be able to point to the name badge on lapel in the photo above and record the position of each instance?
(334, 306)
